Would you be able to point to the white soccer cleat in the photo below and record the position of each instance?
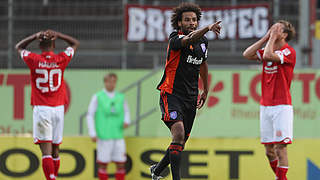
(153, 176)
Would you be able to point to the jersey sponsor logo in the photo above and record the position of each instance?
(173, 115)
(269, 69)
(48, 65)
(194, 60)
(181, 36)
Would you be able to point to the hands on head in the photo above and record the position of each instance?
(47, 35)
(276, 30)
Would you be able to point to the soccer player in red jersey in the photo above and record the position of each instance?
(48, 93)
(276, 112)
(186, 59)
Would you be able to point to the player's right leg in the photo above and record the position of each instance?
(104, 153)
(175, 148)
(272, 156)
(42, 134)
(267, 136)
(171, 114)
(56, 158)
(58, 123)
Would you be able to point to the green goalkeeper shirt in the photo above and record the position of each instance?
(109, 116)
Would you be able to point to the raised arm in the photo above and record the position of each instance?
(26, 41)
(269, 54)
(251, 52)
(196, 35)
(74, 43)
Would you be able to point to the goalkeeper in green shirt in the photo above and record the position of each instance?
(108, 114)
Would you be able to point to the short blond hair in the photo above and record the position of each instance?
(289, 29)
(109, 75)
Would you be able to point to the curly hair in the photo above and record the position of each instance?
(184, 7)
(289, 29)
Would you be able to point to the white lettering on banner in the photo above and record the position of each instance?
(168, 26)
(245, 30)
(260, 15)
(154, 19)
(137, 28)
(229, 22)
(147, 23)
(206, 19)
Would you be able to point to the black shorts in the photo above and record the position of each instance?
(175, 109)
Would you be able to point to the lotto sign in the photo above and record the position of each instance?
(152, 23)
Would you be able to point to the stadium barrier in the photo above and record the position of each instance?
(231, 110)
(203, 158)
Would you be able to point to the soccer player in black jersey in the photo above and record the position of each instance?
(186, 58)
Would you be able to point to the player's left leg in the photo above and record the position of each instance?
(119, 157)
(283, 132)
(281, 151)
(121, 170)
(42, 134)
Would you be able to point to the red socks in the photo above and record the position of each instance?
(56, 163)
(120, 174)
(282, 173)
(274, 165)
(48, 167)
(102, 174)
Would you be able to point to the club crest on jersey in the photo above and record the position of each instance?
(173, 115)
(194, 60)
(203, 47)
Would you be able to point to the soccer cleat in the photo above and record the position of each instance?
(153, 176)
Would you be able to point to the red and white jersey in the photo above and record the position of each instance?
(47, 69)
(277, 76)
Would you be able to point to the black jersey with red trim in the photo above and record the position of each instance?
(182, 68)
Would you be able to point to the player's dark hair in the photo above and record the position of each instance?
(45, 43)
(289, 29)
(109, 75)
(184, 7)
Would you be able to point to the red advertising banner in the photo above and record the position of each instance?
(152, 23)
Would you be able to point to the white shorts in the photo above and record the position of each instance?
(276, 124)
(48, 124)
(111, 150)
